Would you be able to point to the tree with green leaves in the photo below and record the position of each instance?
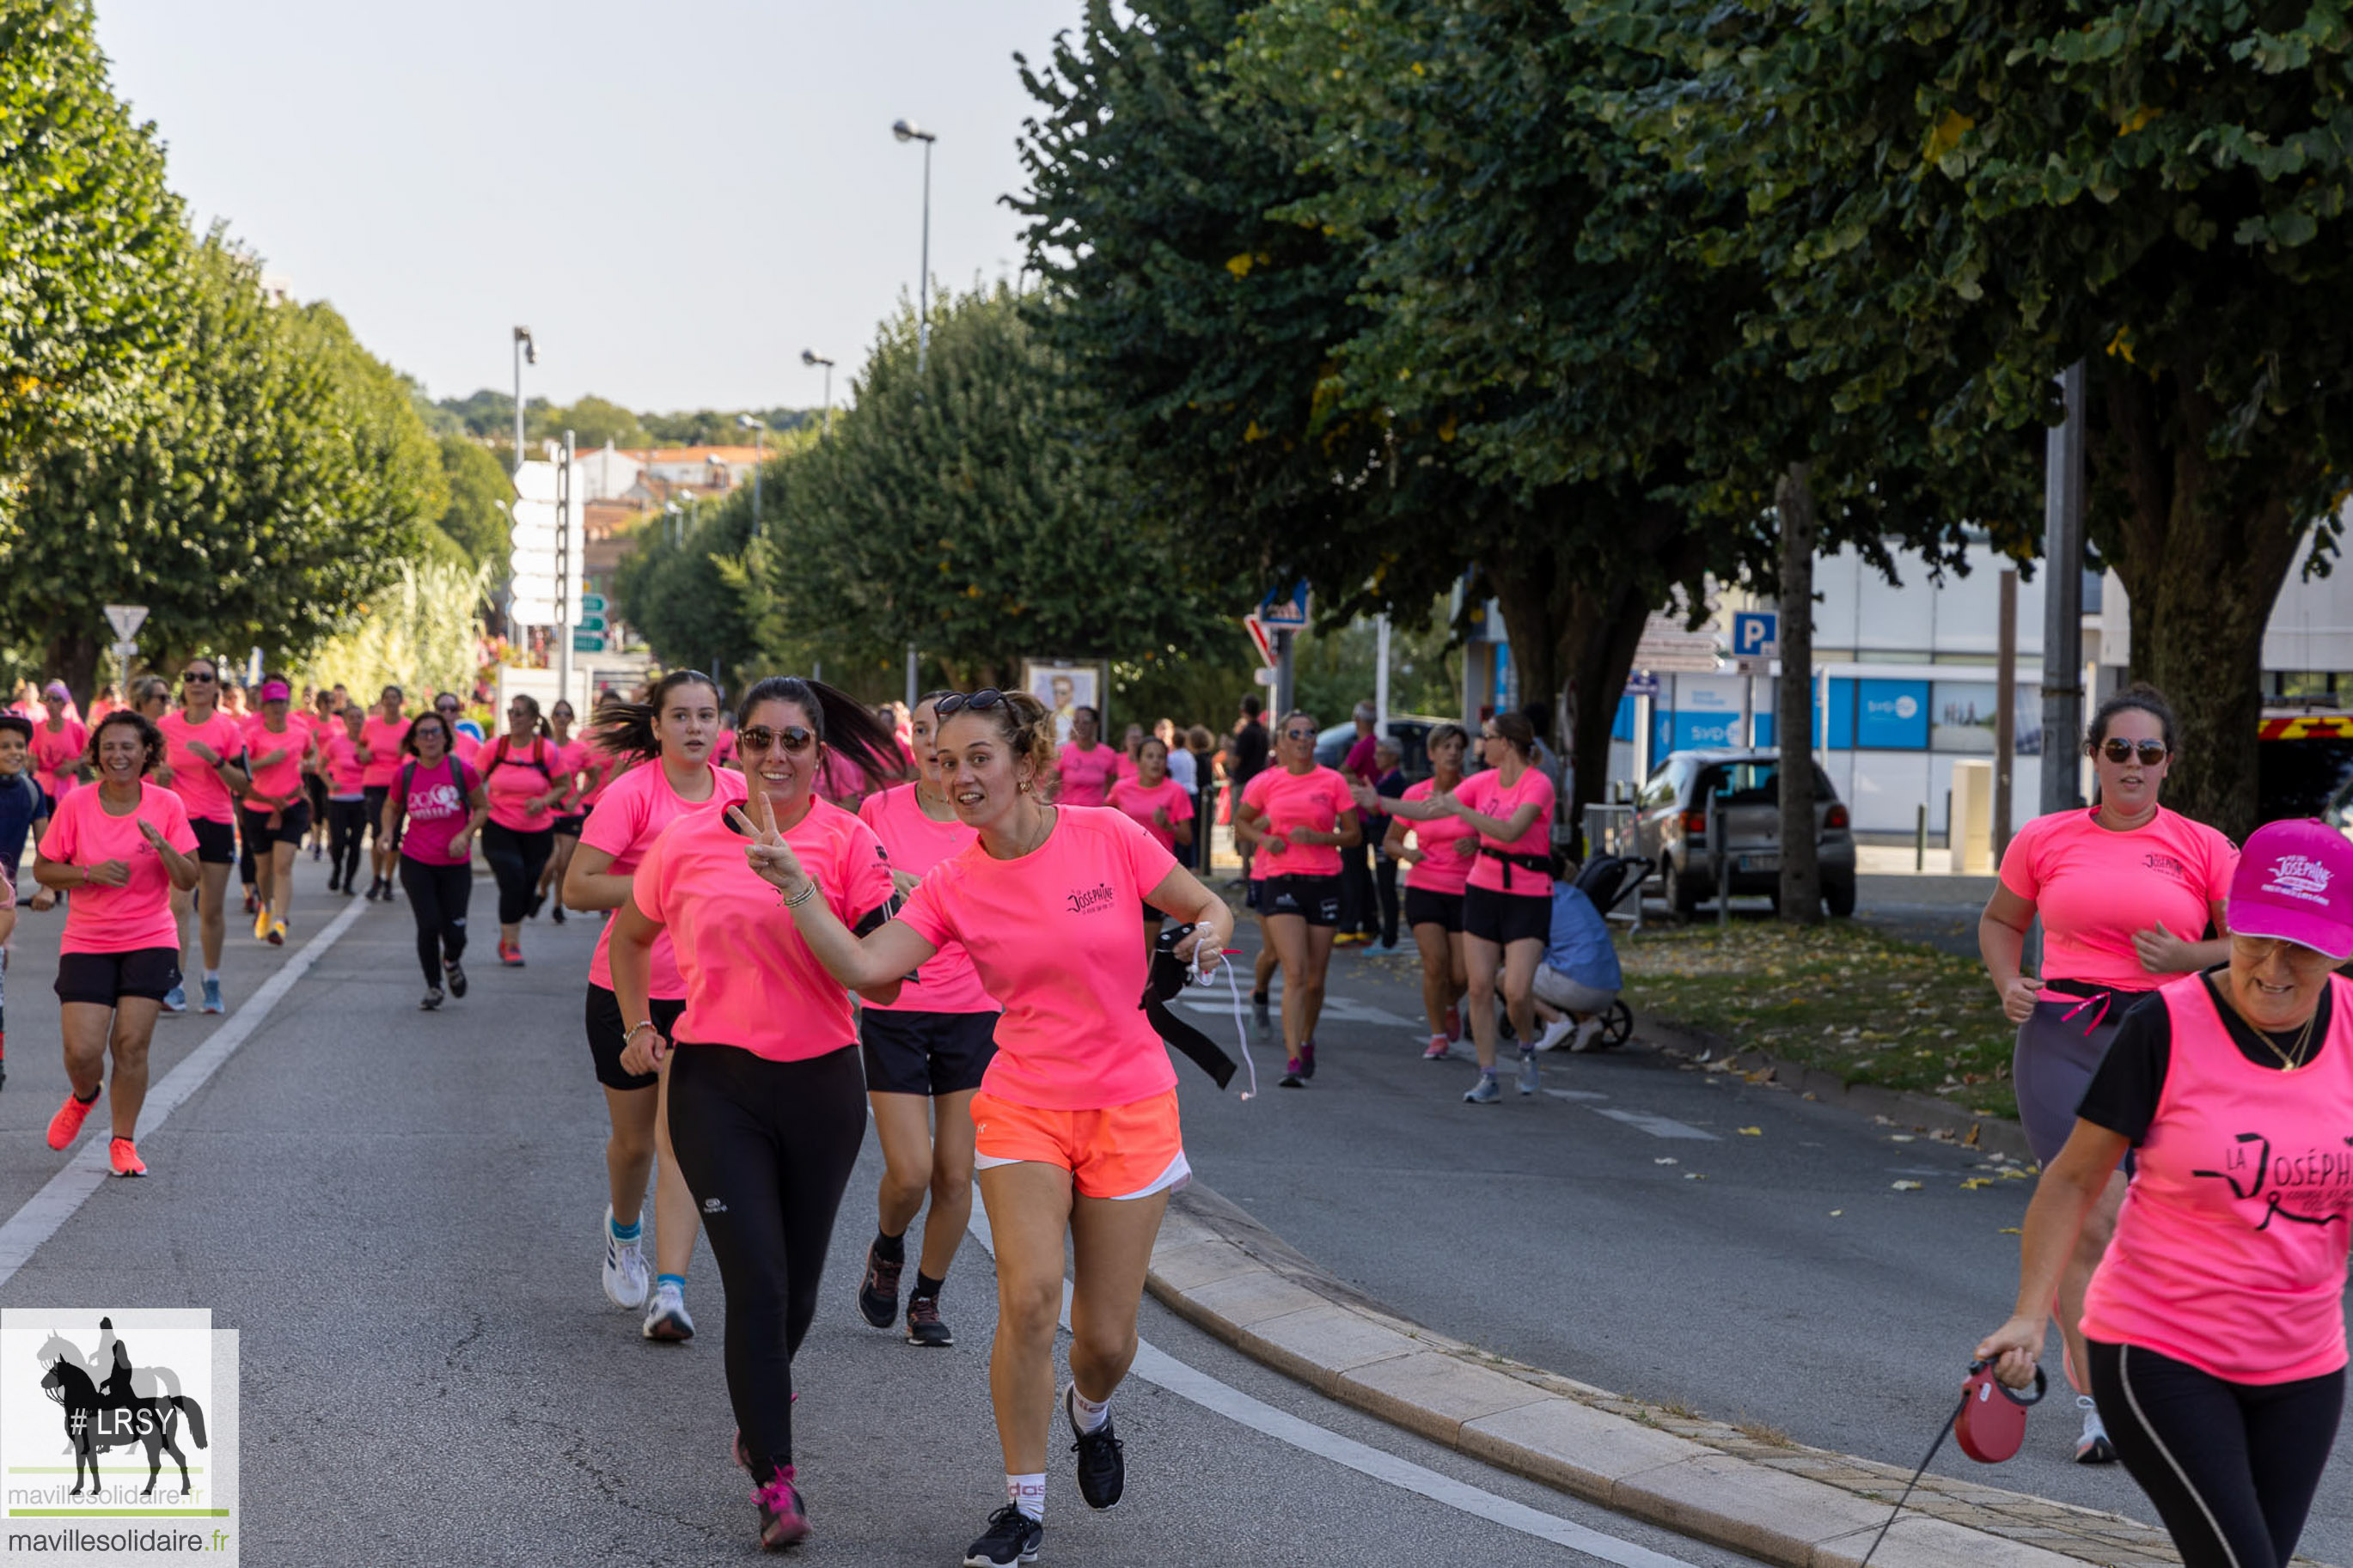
(476, 518)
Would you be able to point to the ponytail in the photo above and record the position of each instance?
(841, 722)
(625, 729)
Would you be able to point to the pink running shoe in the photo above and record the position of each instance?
(782, 1520)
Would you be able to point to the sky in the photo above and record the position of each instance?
(677, 198)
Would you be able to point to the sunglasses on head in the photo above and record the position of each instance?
(955, 702)
(760, 738)
(2151, 752)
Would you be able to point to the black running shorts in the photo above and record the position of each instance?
(215, 841)
(1506, 918)
(292, 824)
(909, 1052)
(1315, 898)
(103, 979)
(1425, 908)
(606, 1031)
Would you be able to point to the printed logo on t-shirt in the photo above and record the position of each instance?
(2158, 860)
(1093, 899)
(2258, 1173)
(2299, 877)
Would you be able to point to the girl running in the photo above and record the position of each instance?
(325, 724)
(276, 811)
(1076, 1127)
(151, 698)
(1300, 816)
(59, 744)
(1438, 873)
(765, 1094)
(2123, 891)
(199, 744)
(442, 803)
(523, 771)
(105, 702)
(381, 739)
(119, 848)
(665, 744)
(346, 779)
(1082, 772)
(924, 1053)
(1162, 808)
(573, 764)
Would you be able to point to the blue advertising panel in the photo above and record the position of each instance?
(1892, 716)
(1621, 728)
(1708, 731)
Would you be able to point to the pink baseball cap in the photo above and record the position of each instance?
(2294, 882)
(276, 691)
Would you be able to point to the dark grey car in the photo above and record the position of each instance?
(1692, 794)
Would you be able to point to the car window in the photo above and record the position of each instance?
(1660, 791)
(1757, 782)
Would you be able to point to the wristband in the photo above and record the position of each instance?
(632, 1033)
(808, 891)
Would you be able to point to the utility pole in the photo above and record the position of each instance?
(566, 568)
(1381, 675)
(2062, 598)
(2005, 713)
(907, 130)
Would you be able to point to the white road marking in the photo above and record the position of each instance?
(83, 1174)
(1346, 1009)
(1158, 1367)
(1656, 1126)
(1575, 1094)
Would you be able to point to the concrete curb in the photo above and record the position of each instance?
(1220, 1269)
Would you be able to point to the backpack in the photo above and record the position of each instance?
(538, 749)
(408, 777)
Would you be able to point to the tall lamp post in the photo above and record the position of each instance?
(526, 353)
(908, 130)
(811, 358)
(745, 422)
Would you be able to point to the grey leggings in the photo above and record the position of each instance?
(2060, 1047)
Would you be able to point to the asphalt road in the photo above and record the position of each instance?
(398, 1213)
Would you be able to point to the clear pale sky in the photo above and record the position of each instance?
(677, 197)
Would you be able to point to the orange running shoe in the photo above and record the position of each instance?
(124, 1155)
(277, 933)
(68, 1120)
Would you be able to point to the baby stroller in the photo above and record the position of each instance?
(1611, 880)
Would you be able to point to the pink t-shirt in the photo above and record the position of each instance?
(2094, 889)
(437, 808)
(2229, 1250)
(751, 981)
(1054, 936)
(1086, 776)
(948, 983)
(283, 777)
(606, 767)
(634, 809)
(1485, 792)
(515, 783)
(1314, 799)
(198, 786)
(1442, 868)
(573, 758)
(383, 737)
(1139, 802)
(139, 913)
(339, 762)
(464, 747)
(57, 753)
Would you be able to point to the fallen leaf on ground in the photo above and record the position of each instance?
(1974, 1183)
(1900, 1138)
(2012, 1230)
(1693, 1176)
(1835, 1213)
(1752, 1133)
(1907, 1186)
(1666, 1159)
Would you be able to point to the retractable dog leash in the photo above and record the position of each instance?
(1989, 1430)
(1169, 975)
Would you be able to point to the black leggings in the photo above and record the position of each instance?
(766, 1149)
(438, 897)
(516, 860)
(2232, 1467)
(346, 832)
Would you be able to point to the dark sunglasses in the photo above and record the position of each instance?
(451, 707)
(2151, 752)
(760, 738)
(956, 702)
(198, 675)
(1299, 734)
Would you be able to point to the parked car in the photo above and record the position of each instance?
(1411, 732)
(1673, 819)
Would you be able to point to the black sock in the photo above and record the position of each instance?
(891, 1248)
(1259, 998)
(925, 1286)
(89, 1098)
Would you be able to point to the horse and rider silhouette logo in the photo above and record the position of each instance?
(108, 1404)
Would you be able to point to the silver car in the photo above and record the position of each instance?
(1691, 794)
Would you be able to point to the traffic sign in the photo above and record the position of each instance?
(1284, 609)
(593, 603)
(587, 642)
(535, 480)
(1261, 639)
(125, 619)
(125, 648)
(1756, 634)
(1643, 683)
(588, 621)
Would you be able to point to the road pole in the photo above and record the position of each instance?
(1381, 675)
(912, 666)
(2062, 597)
(1285, 677)
(565, 567)
(2005, 713)
(923, 284)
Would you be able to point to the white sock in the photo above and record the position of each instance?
(1027, 1493)
(1088, 1415)
(213, 975)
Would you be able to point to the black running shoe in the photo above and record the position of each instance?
(924, 1325)
(1012, 1537)
(557, 915)
(877, 1293)
(457, 972)
(1307, 1059)
(1102, 1465)
(432, 1000)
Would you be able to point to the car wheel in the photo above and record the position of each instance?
(1687, 895)
(1838, 899)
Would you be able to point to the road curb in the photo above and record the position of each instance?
(1219, 1269)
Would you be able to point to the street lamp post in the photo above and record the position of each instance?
(526, 353)
(812, 358)
(745, 422)
(908, 130)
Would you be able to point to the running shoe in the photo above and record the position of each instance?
(347, 889)
(1530, 1080)
(1350, 939)
(1587, 1033)
(261, 925)
(1438, 1050)
(556, 914)
(877, 1293)
(68, 1120)
(376, 889)
(175, 1000)
(626, 1280)
(537, 901)
(335, 881)
(511, 954)
(1292, 1077)
(665, 1318)
(1307, 1059)
(1103, 1463)
(212, 1002)
(1484, 1092)
(924, 1325)
(782, 1520)
(122, 1155)
(1555, 1033)
(1261, 1019)
(316, 852)
(1453, 1022)
(252, 905)
(1012, 1537)
(457, 974)
(432, 1000)
(277, 933)
(2093, 1448)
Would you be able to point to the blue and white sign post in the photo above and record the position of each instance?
(1283, 614)
(1756, 639)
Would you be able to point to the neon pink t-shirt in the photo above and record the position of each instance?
(284, 776)
(57, 753)
(1086, 774)
(437, 808)
(841, 782)
(635, 807)
(383, 737)
(751, 981)
(573, 759)
(1314, 799)
(340, 763)
(2094, 889)
(1122, 767)
(1055, 938)
(607, 768)
(515, 783)
(464, 747)
(2229, 1250)
(139, 913)
(1442, 868)
(1485, 792)
(948, 983)
(1139, 802)
(193, 779)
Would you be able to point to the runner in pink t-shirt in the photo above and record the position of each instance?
(59, 744)
(1161, 806)
(522, 772)
(658, 752)
(117, 849)
(1438, 873)
(572, 762)
(1300, 815)
(441, 803)
(766, 1101)
(346, 778)
(276, 811)
(1084, 767)
(1075, 1127)
(201, 745)
(381, 739)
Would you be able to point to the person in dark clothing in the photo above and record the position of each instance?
(1250, 750)
(1387, 759)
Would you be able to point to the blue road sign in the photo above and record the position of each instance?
(1754, 634)
(1643, 683)
(1284, 609)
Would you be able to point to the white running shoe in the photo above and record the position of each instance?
(666, 1316)
(2093, 1448)
(1529, 1080)
(625, 1279)
(1587, 1034)
(1555, 1033)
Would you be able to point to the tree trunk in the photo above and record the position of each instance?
(1527, 583)
(1597, 646)
(73, 658)
(1793, 723)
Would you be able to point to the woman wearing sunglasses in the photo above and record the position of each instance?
(662, 748)
(199, 742)
(1300, 816)
(572, 764)
(434, 807)
(2125, 890)
(522, 772)
(767, 1103)
(1075, 1127)
(381, 739)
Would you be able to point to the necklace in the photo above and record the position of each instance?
(2302, 1038)
(1045, 825)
